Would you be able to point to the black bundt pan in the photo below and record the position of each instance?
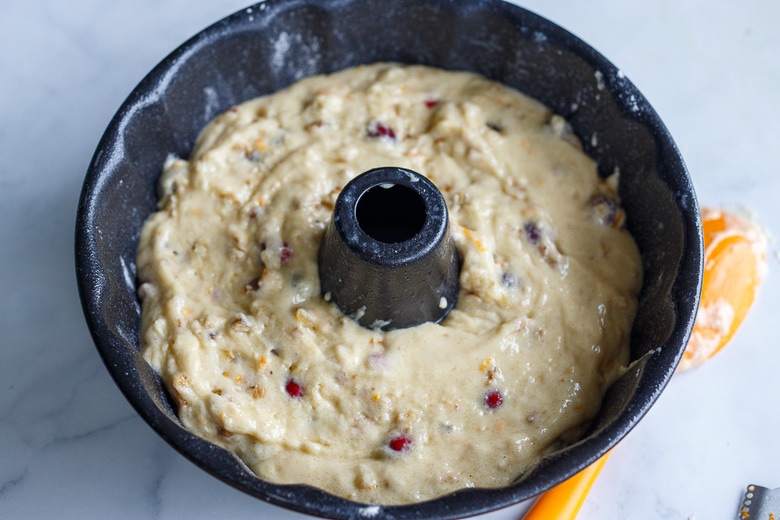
(272, 44)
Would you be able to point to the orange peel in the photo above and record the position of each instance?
(734, 267)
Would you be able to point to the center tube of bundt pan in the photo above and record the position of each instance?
(387, 258)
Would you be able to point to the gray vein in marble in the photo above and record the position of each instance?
(89, 435)
(11, 483)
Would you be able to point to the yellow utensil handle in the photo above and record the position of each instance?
(564, 501)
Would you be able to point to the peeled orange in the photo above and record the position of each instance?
(734, 266)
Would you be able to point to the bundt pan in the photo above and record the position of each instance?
(272, 44)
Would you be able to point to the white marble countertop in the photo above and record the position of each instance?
(72, 447)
